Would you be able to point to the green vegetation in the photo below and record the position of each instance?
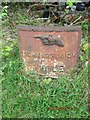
(26, 95)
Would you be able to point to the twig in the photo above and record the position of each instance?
(81, 22)
(76, 20)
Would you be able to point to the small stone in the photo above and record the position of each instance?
(86, 63)
(54, 69)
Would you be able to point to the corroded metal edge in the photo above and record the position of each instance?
(49, 28)
(79, 41)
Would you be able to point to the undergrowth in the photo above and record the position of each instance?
(27, 95)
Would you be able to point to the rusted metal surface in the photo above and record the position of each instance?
(49, 59)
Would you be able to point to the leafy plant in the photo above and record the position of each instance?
(8, 49)
(47, 81)
(4, 12)
(70, 2)
(86, 47)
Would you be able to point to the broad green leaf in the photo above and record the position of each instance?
(81, 58)
(67, 11)
(5, 7)
(47, 81)
(86, 47)
(4, 14)
(6, 53)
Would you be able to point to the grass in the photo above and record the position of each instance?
(26, 95)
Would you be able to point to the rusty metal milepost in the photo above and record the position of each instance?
(49, 51)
